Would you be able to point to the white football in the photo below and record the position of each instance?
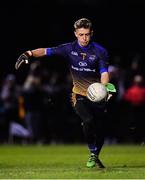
(97, 92)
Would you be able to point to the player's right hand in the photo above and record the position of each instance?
(23, 58)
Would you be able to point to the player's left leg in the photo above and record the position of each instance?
(84, 110)
(99, 111)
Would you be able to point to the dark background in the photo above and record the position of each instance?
(118, 25)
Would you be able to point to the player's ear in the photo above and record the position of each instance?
(75, 33)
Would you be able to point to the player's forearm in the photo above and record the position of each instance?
(40, 52)
(105, 78)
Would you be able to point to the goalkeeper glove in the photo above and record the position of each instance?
(23, 58)
(110, 89)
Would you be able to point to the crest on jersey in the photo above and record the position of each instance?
(83, 55)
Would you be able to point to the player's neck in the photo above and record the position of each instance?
(83, 47)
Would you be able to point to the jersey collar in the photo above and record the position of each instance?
(85, 48)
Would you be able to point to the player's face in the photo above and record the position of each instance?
(83, 35)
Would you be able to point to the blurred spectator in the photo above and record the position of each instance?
(136, 67)
(36, 104)
(134, 96)
(116, 73)
(9, 98)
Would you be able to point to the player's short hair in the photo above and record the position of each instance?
(83, 23)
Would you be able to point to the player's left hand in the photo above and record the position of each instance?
(111, 89)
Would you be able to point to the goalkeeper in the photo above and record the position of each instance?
(88, 63)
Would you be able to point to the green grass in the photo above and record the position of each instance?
(68, 162)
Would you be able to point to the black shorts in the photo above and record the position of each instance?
(88, 110)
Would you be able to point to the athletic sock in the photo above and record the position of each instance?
(92, 148)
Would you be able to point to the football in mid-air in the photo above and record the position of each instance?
(97, 92)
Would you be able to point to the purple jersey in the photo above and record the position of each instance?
(85, 63)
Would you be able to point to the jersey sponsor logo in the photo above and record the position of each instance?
(83, 64)
(74, 53)
(83, 69)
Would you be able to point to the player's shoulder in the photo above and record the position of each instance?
(99, 47)
(67, 46)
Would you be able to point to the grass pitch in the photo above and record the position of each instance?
(68, 162)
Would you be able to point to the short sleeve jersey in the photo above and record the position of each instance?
(86, 63)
